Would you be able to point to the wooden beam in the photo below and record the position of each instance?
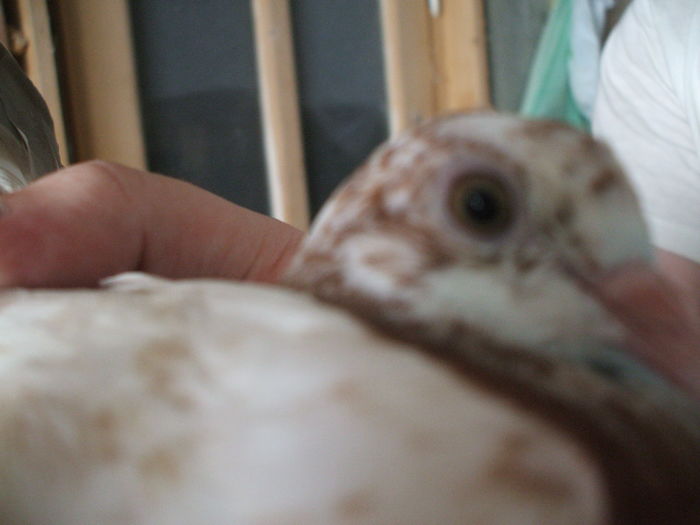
(40, 63)
(408, 62)
(459, 40)
(279, 100)
(101, 84)
(435, 58)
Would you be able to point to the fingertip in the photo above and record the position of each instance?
(284, 242)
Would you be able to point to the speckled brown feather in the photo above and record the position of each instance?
(453, 385)
(649, 451)
(647, 444)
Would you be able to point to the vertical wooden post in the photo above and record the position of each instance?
(410, 73)
(282, 131)
(435, 58)
(459, 41)
(101, 85)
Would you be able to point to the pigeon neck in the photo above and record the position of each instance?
(647, 446)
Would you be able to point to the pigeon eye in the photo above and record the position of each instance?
(482, 204)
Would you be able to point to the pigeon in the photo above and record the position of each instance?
(28, 147)
(437, 353)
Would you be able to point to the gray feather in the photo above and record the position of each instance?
(27, 139)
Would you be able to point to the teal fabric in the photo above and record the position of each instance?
(548, 92)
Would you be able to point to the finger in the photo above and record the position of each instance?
(96, 219)
(663, 325)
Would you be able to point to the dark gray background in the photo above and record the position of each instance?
(198, 87)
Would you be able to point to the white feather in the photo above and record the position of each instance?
(209, 402)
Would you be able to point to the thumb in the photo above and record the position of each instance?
(93, 220)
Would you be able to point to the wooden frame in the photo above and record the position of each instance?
(435, 58)
(408, 64)
(459, 43)
(279, 100)
(100, 80)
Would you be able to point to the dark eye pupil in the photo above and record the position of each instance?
(482, 206)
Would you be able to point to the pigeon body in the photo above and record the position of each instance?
(198, 402)
(430, 360)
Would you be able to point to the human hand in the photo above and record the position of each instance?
(662, 324)
(96, 219)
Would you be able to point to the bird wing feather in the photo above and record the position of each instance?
(232, 403)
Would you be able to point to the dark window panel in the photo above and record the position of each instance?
(341, 85)
(198, 87)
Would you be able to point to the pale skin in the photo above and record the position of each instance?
(96, 219)
(664, 315)
(683, 272)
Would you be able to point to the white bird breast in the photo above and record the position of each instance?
(219, 403)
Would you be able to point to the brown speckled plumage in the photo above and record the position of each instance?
(434, 357)
(648, 445)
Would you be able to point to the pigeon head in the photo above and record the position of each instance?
(487, 242)
(484, 223)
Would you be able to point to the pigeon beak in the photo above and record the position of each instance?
(662, 325)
